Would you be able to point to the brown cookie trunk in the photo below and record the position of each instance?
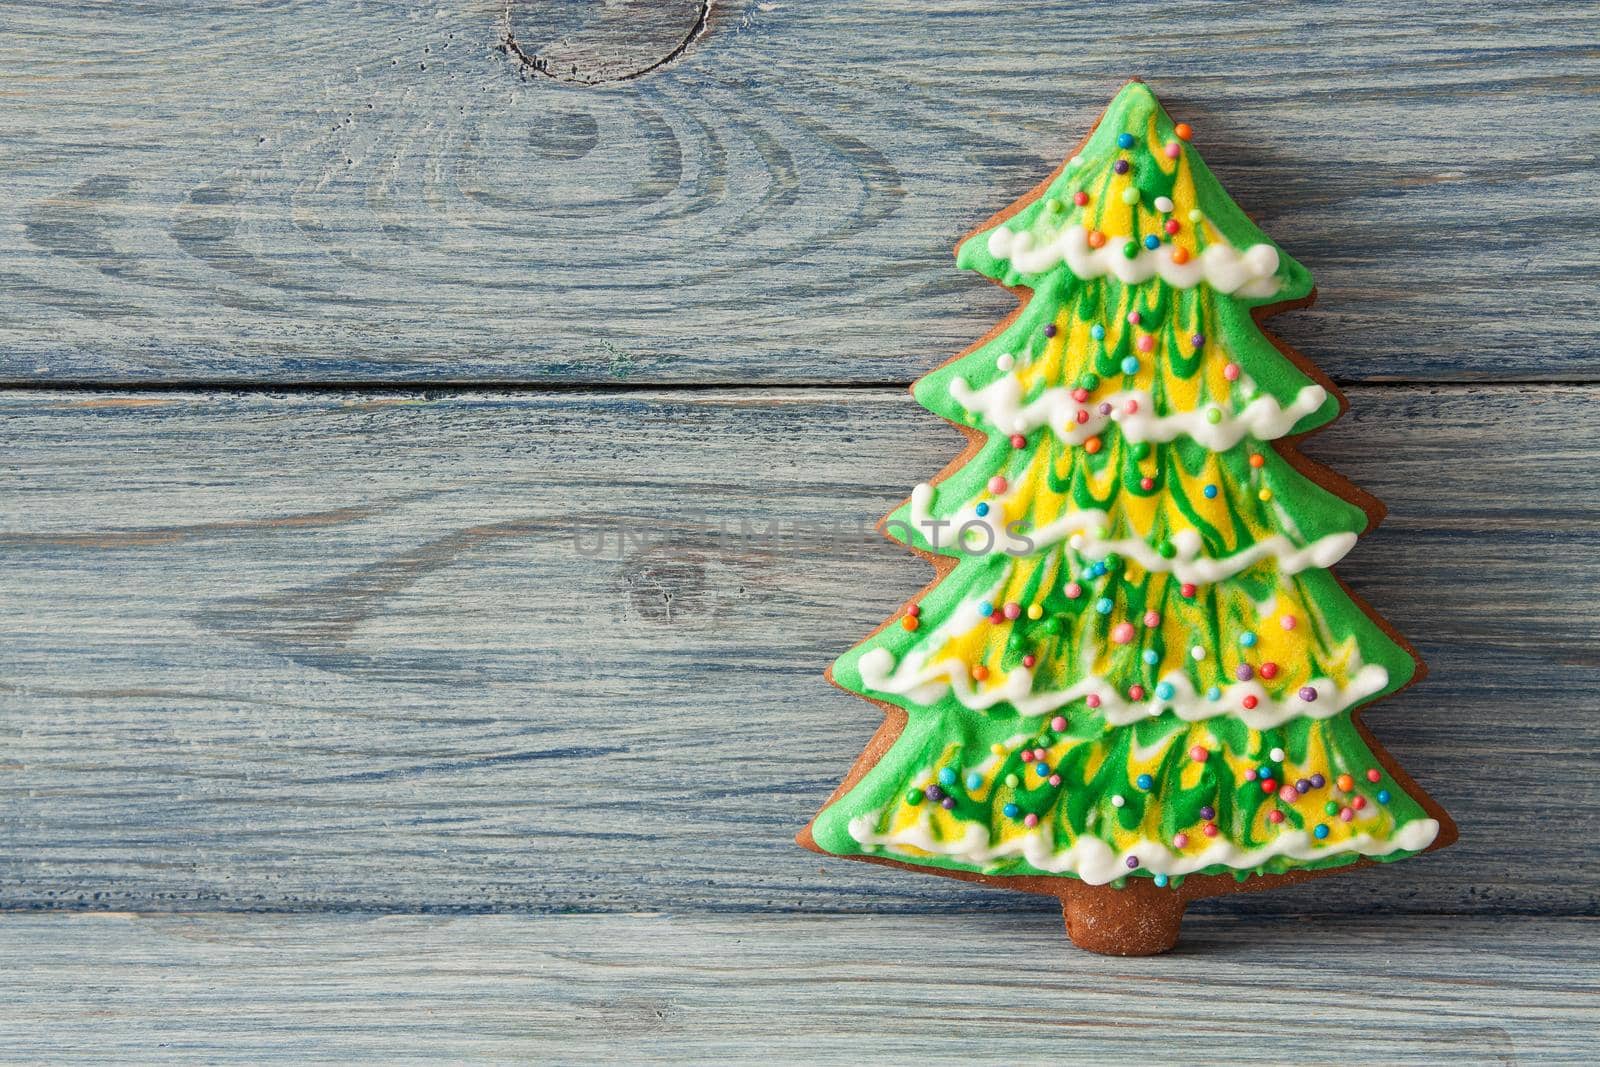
(1137, 920)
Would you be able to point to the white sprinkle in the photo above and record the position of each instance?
(1163, 203)
(1077, 161)
(1277, 755)
(1197, 652)
(1117, 801)
(1006, 361)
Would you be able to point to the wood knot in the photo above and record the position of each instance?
(592, 42)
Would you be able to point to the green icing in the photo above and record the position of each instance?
(1152, 490)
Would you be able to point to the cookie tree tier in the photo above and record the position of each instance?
(1135, 680)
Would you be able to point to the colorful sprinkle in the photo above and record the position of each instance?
(1080, 198)
(1117, 800)
(1058, 723)
(1383, 796)
(1247, 639)
(1320, 832)
(1097, 331)
(1152, 242)
(1160, 881)
(1120, 166)
(1122, 632)
(1124, 140)
(1180, 840)
(1374, 775)
(998, 485)
(1145, 782)
(1199, 754)
(1308, 693)
(1210, 491)
(1163, 204)
(1130, 196)
(1183, 131)
(1173, 149)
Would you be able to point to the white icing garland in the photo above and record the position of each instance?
(1094, 861)
(1083, 529)
(1134, 412)
(927, 684)
(1224, 268)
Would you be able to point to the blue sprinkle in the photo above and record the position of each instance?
(1011, 811)
(1130, 365)
(1144, 781)
(1211, 492)
(1161, 881)
(1149, 656)
(1043, 769)
(1152, 242)
(1383, 796)
(1320, 832)
(982, 510)
(1165, 691)
(1097, 331)
(1213, 693)
(974, 780)
(1103, 605)
(985, 608)
(947, 777)
(1247, 639)
(1097, 570)
(1125, 140)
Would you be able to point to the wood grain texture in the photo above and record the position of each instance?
(813, 990)
(389, 196)
(326, 652)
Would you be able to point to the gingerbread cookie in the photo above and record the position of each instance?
(1134, 681)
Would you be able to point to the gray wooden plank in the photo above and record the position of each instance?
(389, 196)
(322, 652)
(791, 989)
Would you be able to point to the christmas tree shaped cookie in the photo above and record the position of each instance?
(1135, 680)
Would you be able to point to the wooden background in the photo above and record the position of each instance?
(325, 328)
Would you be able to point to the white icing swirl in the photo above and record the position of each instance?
(1001, 403)
(927, 683)
(1085, 532)
(1097, 864)
(1223, 267)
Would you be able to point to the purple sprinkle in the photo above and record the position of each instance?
(947, 803)
(1308, 693)
(1244, 672)
(1317, 781)
(1050, 329)
(1120, 166)
(1198, 340)
(1302, 786)
(1208, 812)
(934, 792)
(1105, 408)
(1133, 861)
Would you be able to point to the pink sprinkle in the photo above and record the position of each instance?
(1231, 372)
(1288, 794)
(1147, 343)
(1074, 590)
(1028, 661)
(1288, 622)
(1135, 692)
(1180, 840)
(1345, 814)
(1199, 754)
(1373, 775)
(997, 485)
(1250, 775)
(1030, 819)
(1122, 633)
(1018, 441)
(1173, 150)
(1013, 609)
(1133, 318)
(1054, 779)
(1058, 723)
(1152, 618)
(1080, 394)
(1039, 754)
(1093, 700)
(1132, 407)
(1274, 816)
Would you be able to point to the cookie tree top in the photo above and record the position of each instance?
(1135, 661)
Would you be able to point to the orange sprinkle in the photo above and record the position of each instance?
(1092, 445)
(980, 672)
(1180, 255)
(1096, 238)
(910, 623)
(1258, 460)
(1183, 130)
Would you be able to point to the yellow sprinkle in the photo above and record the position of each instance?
(998, 749)
(1265, 495)
(1035, 611)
